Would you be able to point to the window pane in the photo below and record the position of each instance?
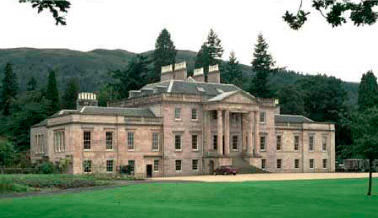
(177, 113)
(87, 140)
(194, 114)
(178, 165)
(262, 117)
(130, 140)
(215, 142)
(279, 162)
(156, 165)
(109, 140)
(296, 143)
(109, 165)
(279, 139)
(195, 164)
(155, 141)
(178, 142)
(235, 142)
(194, 142)
(262, 143)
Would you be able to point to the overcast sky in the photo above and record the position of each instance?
(345, 52)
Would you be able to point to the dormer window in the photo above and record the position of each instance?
(200, 89)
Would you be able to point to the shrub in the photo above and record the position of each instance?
(46, 168)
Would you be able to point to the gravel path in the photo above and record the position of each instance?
(266, 177)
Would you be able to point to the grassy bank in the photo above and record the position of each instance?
(36, 182)
(311, 198)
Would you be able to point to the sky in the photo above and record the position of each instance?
(344, 52)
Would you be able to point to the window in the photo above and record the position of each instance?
(279, 163)
(263, 164)
(325, 163)
(130, 141)
(131, 163)
(87, 140)
(177, 113)
(178, 142)
(195, 165)
(109, 140)
(87, 165)
(311, 163)
(278, 142)
(109, 165)
(262, 117)
(178, 165)
(39, 143)
(156, 165)
(235, 119)
(200, 89)
(215, 142)
(234, 142)
(296, 143)
(59, 142)
(324, 143)
(296, 163)
(155, 141)
(311, 143)
(194, 114)
(262, 143)
(215, 115)
(194, 142)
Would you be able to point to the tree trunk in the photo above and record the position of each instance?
(370, 176)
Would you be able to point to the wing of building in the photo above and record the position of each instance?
(184, 126)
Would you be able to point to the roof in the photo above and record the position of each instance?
(222, 96)
(291, 119)
(40, 124)
(191, 87)
(135, 112)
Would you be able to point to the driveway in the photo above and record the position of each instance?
(266, 177)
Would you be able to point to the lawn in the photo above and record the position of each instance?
(311, 198)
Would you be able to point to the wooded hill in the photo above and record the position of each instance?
(92, 68)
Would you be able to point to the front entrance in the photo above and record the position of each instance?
(149, 170)
(211, 167)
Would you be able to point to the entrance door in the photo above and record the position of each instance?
(211, 167)
(149, 170)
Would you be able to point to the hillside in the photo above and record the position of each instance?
(92, 67)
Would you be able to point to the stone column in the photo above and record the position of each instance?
(250, 133)
(220, 132)
(227, 132)
(244, 132)
(207, 127)
(256, 131)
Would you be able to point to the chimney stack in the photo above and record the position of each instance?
(86, 99)
(180, 71)
(198, 75)
(214, 74)
(167, 73)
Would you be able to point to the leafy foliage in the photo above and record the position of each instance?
(7, 152)
(52, 93)
(9, 89)
(262, 64)
(334, 11)
(70, 94)
(210, 53)
(232, 72)
(56, 8)
(368, 91)
(164, 54)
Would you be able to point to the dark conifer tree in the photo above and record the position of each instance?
(368, 91)
(9, 89)
(210, 53)
(70, 94)
(232, 73)
(262, 64)
(52, 93)
(32, 84)
(164, 54)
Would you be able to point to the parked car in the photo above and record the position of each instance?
(225, 170)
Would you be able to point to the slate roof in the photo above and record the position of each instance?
(291, 119)
(191, 87)
(135, 112)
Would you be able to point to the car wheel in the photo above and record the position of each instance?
(225, 173)
(234, 174)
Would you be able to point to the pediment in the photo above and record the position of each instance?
(239, 97)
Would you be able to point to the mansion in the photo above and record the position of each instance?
(184, 126)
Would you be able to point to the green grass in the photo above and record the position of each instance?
(316, 198)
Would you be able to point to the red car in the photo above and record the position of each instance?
(225, 170)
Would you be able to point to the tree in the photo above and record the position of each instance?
(7, 152)
(52, 93)
(133, 78)
(107, 93)
(32, 84)
(365, 138)
(70, 94)
(9, 89)
(55, 7)
(164, 54)
(335, 12)
(291, 100)
(232, 73)
(262, 64)
(210, 53)
(368, 91)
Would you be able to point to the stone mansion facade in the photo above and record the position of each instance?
(184, 126)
